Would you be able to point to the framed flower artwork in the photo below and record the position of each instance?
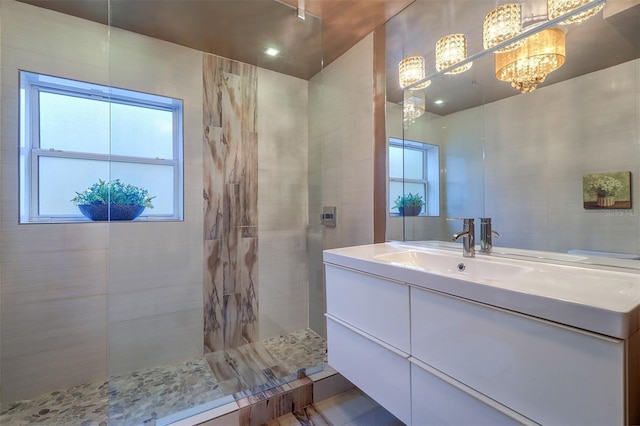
(607, 190)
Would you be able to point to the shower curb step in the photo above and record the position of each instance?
(268, 405)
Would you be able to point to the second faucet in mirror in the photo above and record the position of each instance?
(486, 235)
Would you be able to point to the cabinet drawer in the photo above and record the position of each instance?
(435, 400)
(374, 305)
(381, 373)
(547, 372)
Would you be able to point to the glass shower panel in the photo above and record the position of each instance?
(53, 351)
(212, 305)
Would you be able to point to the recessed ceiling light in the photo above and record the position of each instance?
(438, 102)
(271, 51)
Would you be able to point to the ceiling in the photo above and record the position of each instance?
(243, 29)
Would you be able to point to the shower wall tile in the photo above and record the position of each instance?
(161, 300)
(134, 344)
(59, 275)
(73, 53)
(230, 192)
(53, 295)
(347, 145)
(340, 157)
(283, 197)
(155, 269)
(26, 376)
(145, 269)
(54, 271)
(54, 325)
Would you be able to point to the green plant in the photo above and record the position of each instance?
(605, 186)
(113, 192)
(409, 200)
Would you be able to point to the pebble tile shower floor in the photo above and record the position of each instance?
(157, 392)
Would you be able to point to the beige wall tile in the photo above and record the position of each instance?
(153, 340)
(26, 376)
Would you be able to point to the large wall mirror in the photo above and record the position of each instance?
(529, 161)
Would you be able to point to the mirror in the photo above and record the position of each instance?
(521, 158)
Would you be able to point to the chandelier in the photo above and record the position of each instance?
(411, 70)
(556, 8)
(450, 50)
(529, 65)
(412, 107)
(502, 24)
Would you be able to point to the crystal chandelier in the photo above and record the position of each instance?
(412, 107)
(529, 65)
(501, 24)
(450, 50)
(411, 70)
(556, 8)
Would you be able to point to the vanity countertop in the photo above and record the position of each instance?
(600, 300)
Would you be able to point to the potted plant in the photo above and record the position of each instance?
(409, 205)
(605, 188)
(112, 200)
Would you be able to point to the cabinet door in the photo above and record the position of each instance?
(380, 372)
(376, 306)
(547, 372)
(438, 400)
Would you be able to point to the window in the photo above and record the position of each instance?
(414, 168)
(73, 133)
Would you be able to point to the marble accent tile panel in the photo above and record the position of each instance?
(214, 151)
(230, 191)
(213, 296)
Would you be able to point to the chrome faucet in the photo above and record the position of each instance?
(486, 235)
(468, 238)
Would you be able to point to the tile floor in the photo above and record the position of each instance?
(159, 391)
(350, 408)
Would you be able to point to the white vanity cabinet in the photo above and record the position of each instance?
(432, 358)
(368, 336)
(550, 373)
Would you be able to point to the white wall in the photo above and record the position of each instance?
(341, 146)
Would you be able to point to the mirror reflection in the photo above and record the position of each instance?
(525, 160)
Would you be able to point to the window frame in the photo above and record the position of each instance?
(430, 175)
(31, 151)
(414, 146)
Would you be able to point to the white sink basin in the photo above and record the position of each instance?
(601, 300)
(456, 266)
